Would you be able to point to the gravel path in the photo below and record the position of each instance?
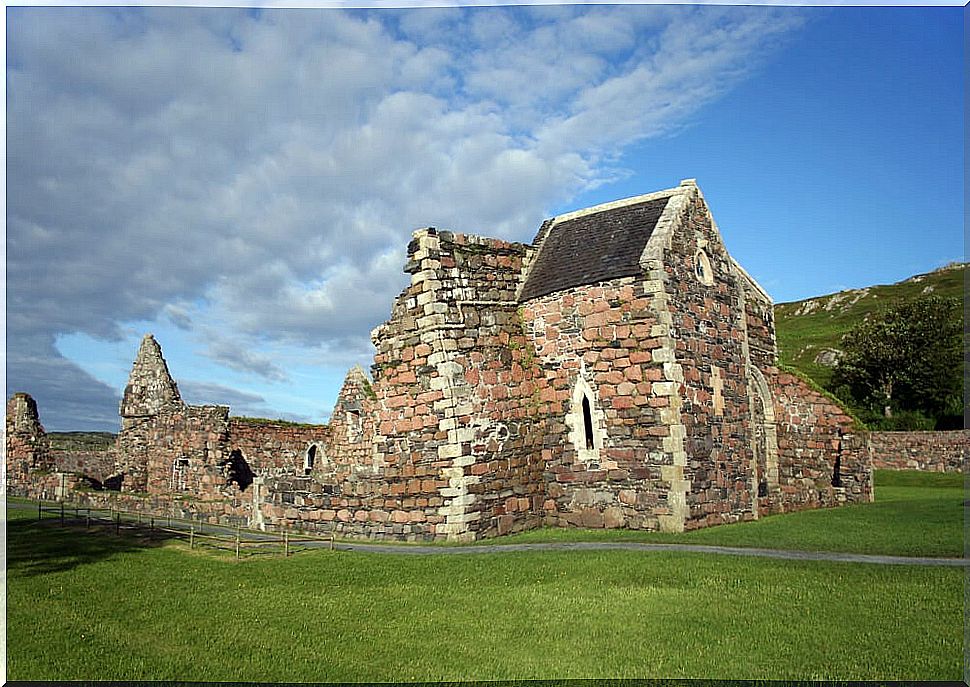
(425, 550)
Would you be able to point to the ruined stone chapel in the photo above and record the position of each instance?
(620, 371)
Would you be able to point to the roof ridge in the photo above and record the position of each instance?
(623, 202)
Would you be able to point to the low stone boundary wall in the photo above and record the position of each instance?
(929, 451)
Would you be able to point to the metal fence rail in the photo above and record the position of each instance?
(188, 530)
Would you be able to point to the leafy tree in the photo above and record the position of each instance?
(907, 358)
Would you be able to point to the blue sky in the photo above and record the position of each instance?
(244, 184)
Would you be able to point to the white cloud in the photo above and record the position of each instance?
(271, 167)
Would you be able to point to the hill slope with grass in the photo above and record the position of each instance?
(810, 331)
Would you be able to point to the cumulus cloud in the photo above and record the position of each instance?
(233, 355)
(265, 169)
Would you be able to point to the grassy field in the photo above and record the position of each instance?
(86, 606)
(804, 329)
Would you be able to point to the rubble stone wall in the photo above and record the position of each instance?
(349, 446)
(595, 342)
(27, 448)
(98, 465)
(187, 447)
(275, 447)
(928, 451)
(815, 437)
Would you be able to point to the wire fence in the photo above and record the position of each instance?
(238, 540)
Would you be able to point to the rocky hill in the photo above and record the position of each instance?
(810, 331)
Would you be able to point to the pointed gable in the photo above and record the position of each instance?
(150, 386)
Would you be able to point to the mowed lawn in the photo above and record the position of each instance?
(100, 606)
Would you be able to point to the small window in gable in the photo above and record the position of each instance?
(702, 268)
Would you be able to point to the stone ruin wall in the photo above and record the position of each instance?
(813, 434)
(473, 424)
(927, 451)
(342, 488)
(276, 448)
(455, 390)
(96, 465)
(446, 444)
(28, 451)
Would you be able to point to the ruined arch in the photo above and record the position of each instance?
(764, 440)
(236, 470)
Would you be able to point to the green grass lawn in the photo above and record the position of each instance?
(95, 605)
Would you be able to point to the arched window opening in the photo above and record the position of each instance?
(588, 423)
(310, 460)
(237, 470)
(702, 268)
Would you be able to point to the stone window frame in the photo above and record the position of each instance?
(703, 268)
(313, 456)
(355, 425)
(576, 421)
(180, 474)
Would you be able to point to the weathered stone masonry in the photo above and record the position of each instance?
(617, 372)
(929, 451)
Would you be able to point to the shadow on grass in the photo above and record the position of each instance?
(38, 548)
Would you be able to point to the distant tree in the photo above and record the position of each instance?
(908, 357)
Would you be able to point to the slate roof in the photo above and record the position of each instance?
(593, 248)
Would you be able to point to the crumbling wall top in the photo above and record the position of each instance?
(150, 386)
(22, 415)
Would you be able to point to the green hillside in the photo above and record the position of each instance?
(810, 331)
(81, 441)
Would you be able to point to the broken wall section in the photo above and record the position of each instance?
(454, 384)
(151, 393)
(823, 458)
(28, 455)
(349, 447)
(274, 447)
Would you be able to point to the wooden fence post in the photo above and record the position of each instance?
(191, 536)
(286, 544)
(118, 522)
(237, 545)
(62, 512)
(40, 511)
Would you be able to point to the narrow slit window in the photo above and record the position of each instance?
(588, 423)
(837, 472)
(311, 458)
